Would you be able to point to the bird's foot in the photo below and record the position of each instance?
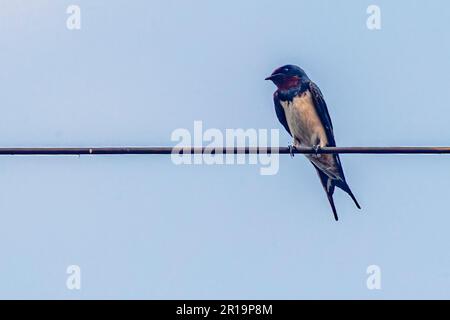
(316, 149)
(292, 148)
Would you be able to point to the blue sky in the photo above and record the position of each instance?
(141, 227)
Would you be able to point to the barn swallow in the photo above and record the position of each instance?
(301, 109)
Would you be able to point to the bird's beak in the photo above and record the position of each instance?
(274, 76)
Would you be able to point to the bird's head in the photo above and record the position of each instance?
(287, 77)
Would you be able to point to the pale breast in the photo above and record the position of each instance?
(304, 122)
(307, 130)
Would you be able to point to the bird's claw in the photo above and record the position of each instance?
(316, 149)
(291, 150)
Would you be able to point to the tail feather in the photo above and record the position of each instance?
(330, 199)
(344, 186)
(329, 186)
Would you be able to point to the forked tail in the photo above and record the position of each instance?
(344, 186)
(329, 186)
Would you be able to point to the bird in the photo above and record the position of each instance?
(301, 109)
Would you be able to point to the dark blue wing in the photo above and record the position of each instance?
(280, 112)
(322, 111)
